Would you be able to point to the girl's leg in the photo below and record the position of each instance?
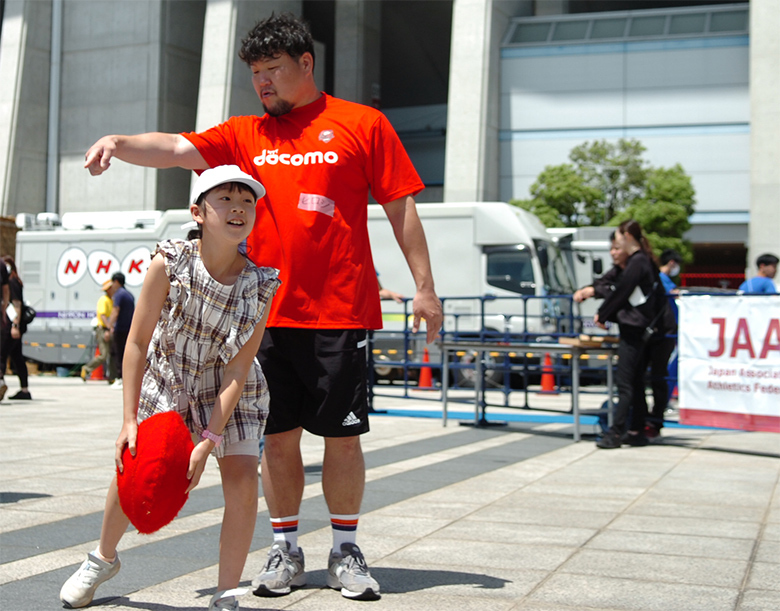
(115, 523)
(239, 487)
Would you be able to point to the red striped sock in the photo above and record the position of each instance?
(344, 528)
(286, 529)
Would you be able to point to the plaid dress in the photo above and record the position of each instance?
(202, 326)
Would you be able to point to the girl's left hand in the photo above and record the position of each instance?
(198, 458)
(15, 332)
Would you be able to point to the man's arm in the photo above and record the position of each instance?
(410, 236)
(152, 150)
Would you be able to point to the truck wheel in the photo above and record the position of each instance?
(494, 378)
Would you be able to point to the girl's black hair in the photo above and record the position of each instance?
(197, 232)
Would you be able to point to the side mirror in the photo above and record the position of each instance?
(597, 267)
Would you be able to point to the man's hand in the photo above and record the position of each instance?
(427, 305)
(598, 323)
(98, 157)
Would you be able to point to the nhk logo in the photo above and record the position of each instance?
(311, 158)
(74, 264)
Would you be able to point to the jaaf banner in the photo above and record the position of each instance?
(729, 371)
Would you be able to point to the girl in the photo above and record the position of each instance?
(192, 344)
(637, 297)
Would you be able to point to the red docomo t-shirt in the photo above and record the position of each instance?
(317, 163)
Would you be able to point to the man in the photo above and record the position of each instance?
(119, 324)
(762, 283)
(102, 332)
(318, 158)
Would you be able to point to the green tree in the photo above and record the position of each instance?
(607, 183)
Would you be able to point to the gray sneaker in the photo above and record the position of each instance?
(282, 572)
(80, 588)
(348, 572)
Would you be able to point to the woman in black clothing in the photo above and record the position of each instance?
(635, 300)
(12, 331)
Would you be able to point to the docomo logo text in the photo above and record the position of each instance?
(74, 264)
(743, 341)
(297, 159)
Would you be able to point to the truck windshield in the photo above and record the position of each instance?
(510, 268)
(554, 270)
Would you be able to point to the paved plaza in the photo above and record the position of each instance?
(490, 518)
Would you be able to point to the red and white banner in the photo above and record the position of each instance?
(729, 372)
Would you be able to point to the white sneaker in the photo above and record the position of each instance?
(117, 384)
(282, 572)
(225, 600)
(348, 572)
(79, 590)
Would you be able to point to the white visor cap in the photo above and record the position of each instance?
(219, 176)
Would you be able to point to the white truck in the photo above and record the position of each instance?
(63, 268)
(495, 267)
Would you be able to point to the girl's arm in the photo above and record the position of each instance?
(147, 313)
(229, 393)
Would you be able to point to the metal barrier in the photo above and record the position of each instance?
(532, 320)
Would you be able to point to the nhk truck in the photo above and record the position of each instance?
(63, 268)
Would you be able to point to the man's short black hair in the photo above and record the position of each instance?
(671, 255)
(119, 277)
(766, 259)
(274, 36)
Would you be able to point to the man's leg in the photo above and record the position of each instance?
(283, 480)
(343, 482)
(343, 474)
(282, 473)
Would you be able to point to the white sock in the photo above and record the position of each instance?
(344, 529)
(286, 529)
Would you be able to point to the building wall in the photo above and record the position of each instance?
(127, 68)
(686, 100)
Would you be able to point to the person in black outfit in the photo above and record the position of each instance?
(12, 330)
(637, 296)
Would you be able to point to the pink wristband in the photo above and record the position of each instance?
(207, 434)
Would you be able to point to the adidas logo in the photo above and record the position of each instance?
(350, 420)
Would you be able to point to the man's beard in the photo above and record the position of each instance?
(282, 107)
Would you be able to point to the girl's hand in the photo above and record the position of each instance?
(200, 454)
(127, 437)
(598, 323)
(15, 333)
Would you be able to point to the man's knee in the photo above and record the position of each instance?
(281, 444)
(344, 447)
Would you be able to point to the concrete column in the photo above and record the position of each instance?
(24, 73)
(357, 53)
(471, 151)
(764, 225)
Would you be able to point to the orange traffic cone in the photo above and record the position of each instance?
(426, 377)
(548, 379)
(97, 372)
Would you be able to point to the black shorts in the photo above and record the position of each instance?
(317, 380)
